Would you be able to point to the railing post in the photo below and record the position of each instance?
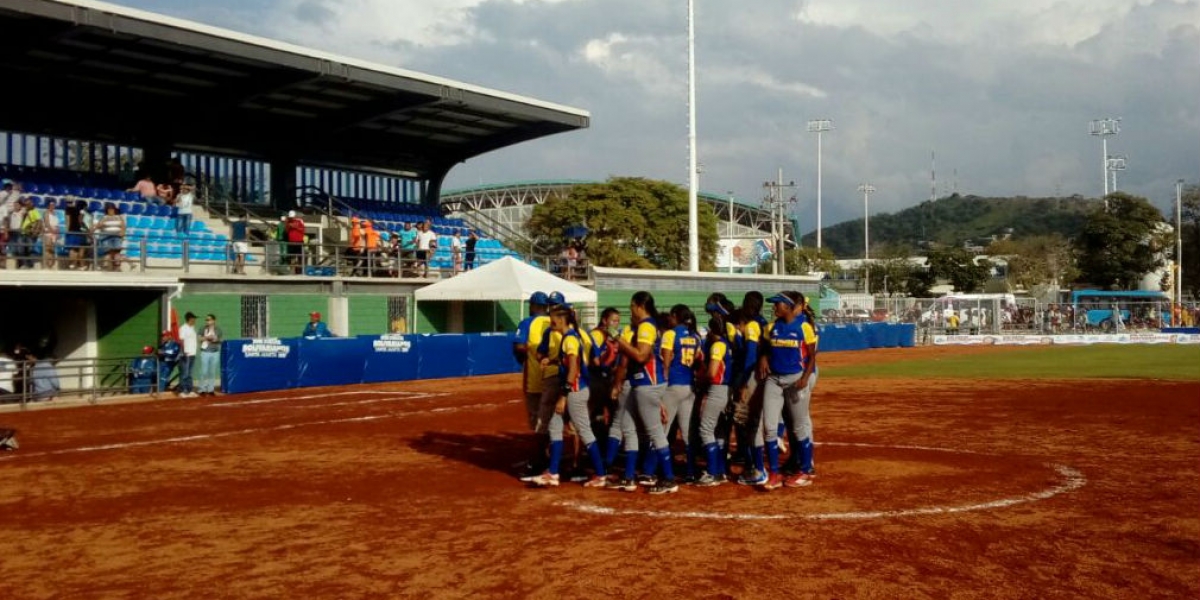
(187, 262)
(142, 254)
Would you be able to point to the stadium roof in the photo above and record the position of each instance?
(710, 197)
(96, 71)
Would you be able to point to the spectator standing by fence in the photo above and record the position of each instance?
(142, 371)
(16, 216)
(31, 230)
(210, 356)
(295, 241)
(472, 241)
(456, 247)
(8, 202)
(408, 248)
(45, 383)
(426, 247)
(51, 229)
(110, 236)
(188, 342)
(183, 207)
(76, 240)
(145, 187)
(168, 357)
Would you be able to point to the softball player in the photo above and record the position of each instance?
(529, 335)
(787, 368)
(750, 437)
(719, 358)
(682, 351)
(601, 365)
(546, 348)
(645, 374)
(794, 465)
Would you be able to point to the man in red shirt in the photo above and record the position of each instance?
(295, 240)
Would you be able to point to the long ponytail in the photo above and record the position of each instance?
(645, 300)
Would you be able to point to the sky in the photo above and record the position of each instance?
(1001, 92)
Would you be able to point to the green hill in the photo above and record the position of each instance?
(955, 219)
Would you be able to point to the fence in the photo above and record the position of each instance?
(47, 379)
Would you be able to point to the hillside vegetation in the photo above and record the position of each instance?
(955, 219)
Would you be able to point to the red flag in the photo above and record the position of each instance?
(174, 324)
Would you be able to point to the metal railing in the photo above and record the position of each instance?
(47, 380)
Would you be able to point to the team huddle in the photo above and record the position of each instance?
(736, 396)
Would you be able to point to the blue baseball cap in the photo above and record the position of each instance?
(781, 298)
(539, 298)
(715, 308)
(556, 298)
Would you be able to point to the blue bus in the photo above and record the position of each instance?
(1098, 309)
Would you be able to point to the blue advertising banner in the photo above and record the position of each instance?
(331, 361)
(391, 358)
(258, 365)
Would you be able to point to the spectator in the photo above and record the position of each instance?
(472, 240)
(31, 229)
(8, 370)
(371, 240)
(952, 323)
(166, 193)
(240, 246)
(142, 371)
(51, 228)
(426, 246)
(188, 342)
(357, 246)
(8, 202)
(168, 357)
(183, 207)
(316, 328)
(408, 248)
(210, 356)
(295, 240)
(77, 240)
(16, 241)
(145, 187)
(45, 384)
(110, 236)
(456, 246)
(572, 260)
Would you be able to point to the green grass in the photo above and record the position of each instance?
(1100, 361)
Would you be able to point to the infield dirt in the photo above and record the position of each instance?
(407, 490)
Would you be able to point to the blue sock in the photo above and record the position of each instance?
(593, 450)
(555, 456)
(722, 459)
(756, 453)
(773, 455)
(648, 463)
(664, 458)
(806, 455)
(781, 430)
(610, 451)
(689, 465)
(630, 463)
(711, 452)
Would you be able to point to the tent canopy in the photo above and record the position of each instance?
(504, 279)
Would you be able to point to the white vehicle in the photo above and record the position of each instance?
(972, 309)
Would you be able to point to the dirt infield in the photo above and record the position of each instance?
(926, 489)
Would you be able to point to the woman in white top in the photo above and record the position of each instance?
(110, 235)
(183, 207)
(456, 245)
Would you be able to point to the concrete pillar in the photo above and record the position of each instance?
(283, 183)
(454, 320)
(339, 316)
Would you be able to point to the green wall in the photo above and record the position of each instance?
(126, 322)
(288, 314)
(432, 317)
(226, 307)
(368, 315)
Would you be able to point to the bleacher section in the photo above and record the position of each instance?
(390, 217)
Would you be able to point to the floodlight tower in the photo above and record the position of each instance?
(775, 198)
(819, 126)
(1104, 128)
(693, 175)
(1114, 164)
(866, 189)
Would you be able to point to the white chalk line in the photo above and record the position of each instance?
(1071, 479)
(315, 396)
(249, 431)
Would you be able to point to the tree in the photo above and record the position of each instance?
(805, 260)
(1191, 240)
(1038, 260)
(632, 222)
(958, 266)
(1120, 245)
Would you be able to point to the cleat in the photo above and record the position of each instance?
(801, 480)
(646, 480)
(752, 477)
(774, 482)
(529, 473)
(664, 487)
(622, 485)
(596, 481)
(706, 480)
(546, 479)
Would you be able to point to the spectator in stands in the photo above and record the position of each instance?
(165, 193)
(239, 246)
(572, 256)
(371, 240)
(316, 328)
(145, 187)
(44, 380)
(189, 343)
(110, 236)
(51, 229)
(426, 247)
(142, 371)
(952, 323)
(456, 246)
(8, 371)
(295, 241)
(168, 357)
(408, 248)
(183, 206)
(210, 356)
(16, 241)
(8, 201)
(472, 240)
(76, 240)
(31, 230)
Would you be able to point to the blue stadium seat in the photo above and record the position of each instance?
(136, 208)
(132, 196)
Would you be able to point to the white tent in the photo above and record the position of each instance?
(504, 279)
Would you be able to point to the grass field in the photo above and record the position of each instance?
(1174, 362)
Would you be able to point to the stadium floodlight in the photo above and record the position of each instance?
(819, 126)
(693, 175)
(1104, 128)
(866, 189)
(1114, 164)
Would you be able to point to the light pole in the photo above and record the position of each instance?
(731, 242)
(866, 189)
(1178, 247)
(1104, 128)
(819, 126)
(1115, 163)
(777, 202)
(693, 177)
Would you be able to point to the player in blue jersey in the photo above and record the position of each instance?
(647, 385)
(682, 351)
(787, 367)
(750, 436)
(621, 426)
(601, 368)
(795, 472)
(718, 370)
